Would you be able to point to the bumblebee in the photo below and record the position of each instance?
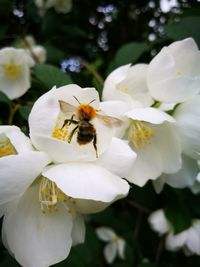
(81, 118)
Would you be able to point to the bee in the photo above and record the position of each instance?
(81, 117)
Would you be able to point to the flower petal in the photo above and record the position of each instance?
(37, 239)
(105, 234)
(187, 116)
(18, 139)
(78, 230)
(44, 118)
(121, 248)
(151, 115)
(17, 172)
(148, 165)
(173, 74)
(119, 158)
(87, 181)
(175, 89)
(168, 144)
(175, 242)
(186, 176)
(110, 252)
(158, 222)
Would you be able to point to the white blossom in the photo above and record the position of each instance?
(188, 240)
(128, 83)
(185, 177)
(174, 73)
(187, 116)
(152, 135)
(60, 6)
(15, 71)
(115, 244)
(38, 52)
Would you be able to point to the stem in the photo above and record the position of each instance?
(13, 110)
(140, 207)
(138, 224)
(159, 249)
(31, 51)
(93, 71)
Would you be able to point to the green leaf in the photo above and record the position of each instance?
(147, 264)
(54, 55)
(186, 27)
(129, 53)
(177, 212)
(97, 86)
(49, 76)
(4, 99)
(84, 255)
(25, 111)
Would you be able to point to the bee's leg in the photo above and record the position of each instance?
(71, 134)
(95, 144)
(69, 121)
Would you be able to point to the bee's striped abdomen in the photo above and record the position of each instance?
(86, 133)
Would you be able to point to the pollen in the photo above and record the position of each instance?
(178, 73)
(125, 90)
(12, 70)
(50, 196)
(6, 147)
(139, 134)
(60, 132)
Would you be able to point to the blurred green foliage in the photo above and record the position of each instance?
(131, 32)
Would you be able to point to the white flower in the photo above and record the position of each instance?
(87, 172)
(196, 186)
(128, 83)
(158, 222)
(174, 73)
(92, 174)
(14, 71)
(51, 133)
(19, 163)
(41, 237)
(60, 6)
(37, 229)
(152, 136)
(37, 52)
(42, 216)
(115, 246)
(188, 240)
(185, 177)
(187, 116)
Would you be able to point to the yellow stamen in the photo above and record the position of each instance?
(178, 73)
(6, 147)
(139, 134)
(59, 132)
(12, 70)
(124, 90)
(50, 195)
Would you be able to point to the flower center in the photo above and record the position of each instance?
(60, 132)
(139, 134)
(12, 71)
(178, 73)
(50, 195)
(6, 147)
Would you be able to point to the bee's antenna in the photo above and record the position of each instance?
(92, 101)
(77, 99)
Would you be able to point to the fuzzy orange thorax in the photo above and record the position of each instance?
(86, 112)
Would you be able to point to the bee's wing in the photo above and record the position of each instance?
(110, 121)
(66, 108)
